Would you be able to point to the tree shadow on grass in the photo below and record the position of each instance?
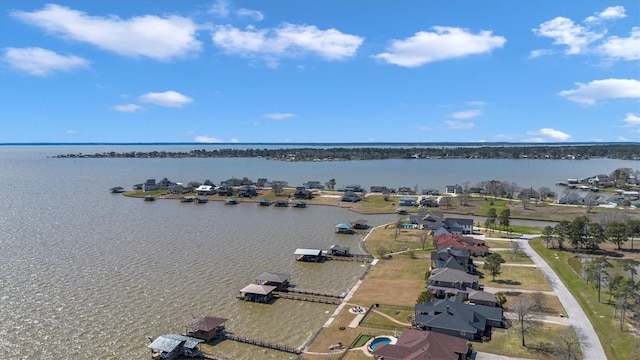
(508, 282)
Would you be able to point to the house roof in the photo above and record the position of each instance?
(478, 295)
(169, 342)
(273, 277)
(417, 344)
(452, 276)
(475, 315)
(205, 323)
(314, 252)
(258, 289)
(344, 226)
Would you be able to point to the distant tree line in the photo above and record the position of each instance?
(616, 151)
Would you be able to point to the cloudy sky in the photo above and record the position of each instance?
(319, 71)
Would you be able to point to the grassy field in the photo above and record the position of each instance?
(617, 344)
(509, 343)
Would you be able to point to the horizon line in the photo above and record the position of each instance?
(329, 143)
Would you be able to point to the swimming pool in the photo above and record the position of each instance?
(381, 340)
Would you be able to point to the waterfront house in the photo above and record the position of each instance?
(476, 247)
(165, 184)
(225, 190)
(174, 346)
(379, 189)
(354, 188)
(453, 189)
(437, 224)
(480, 297)
(428, 202)
(247, 191)
(302, 193)
(431, 192)
(280, 281)
(405, 190)
(453, 258)
(313, 185)
(447, 282)
(471, 322)
(420, 344)
(150, 185)
(206, 328)
(257, 293)
(205, 190)
(309, 255)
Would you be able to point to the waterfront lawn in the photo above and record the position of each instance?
(617, 344)
(514, 278)
(509, 343)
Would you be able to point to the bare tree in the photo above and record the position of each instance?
(568, 344)
(539, 300)
(424, 236)
(544, 192)
(527, 322)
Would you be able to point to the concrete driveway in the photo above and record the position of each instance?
(589, 341)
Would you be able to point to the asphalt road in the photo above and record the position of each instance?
(589, 341)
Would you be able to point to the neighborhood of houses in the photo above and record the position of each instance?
(580, 192)
(461, 310)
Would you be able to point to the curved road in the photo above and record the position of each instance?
(589, 341)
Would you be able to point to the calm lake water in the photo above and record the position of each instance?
(88, 274)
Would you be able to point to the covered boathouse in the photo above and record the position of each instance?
(257, 293)
(310, 255)
(206, 328)
(174, 346)
(280, 281)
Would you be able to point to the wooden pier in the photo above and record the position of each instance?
(264, 344)
(310, 298)
(313, 292)
(354, 258)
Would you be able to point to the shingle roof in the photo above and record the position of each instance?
(205, 323)
(273, 277)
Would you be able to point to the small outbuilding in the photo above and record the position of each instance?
(280, 281)
(344, 229)
(206, 328)
(337, 250)
(257, 293)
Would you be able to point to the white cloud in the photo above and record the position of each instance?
(548, 135)
(167, 98)
(476, 103)
(127, 108)
(220, 8)
(603, 89)
(41, 62)
(279, 116)
(466, 114)
(287, 40)
(564, 31)
(610, 13)
(441, 44)
(632, 119)
(622, 48)
(540, 52)
(253, 14)
(206, 139)
(150, 36)
(71, 132)
(459, 125)
(622, 138)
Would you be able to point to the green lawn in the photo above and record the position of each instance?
(617, 344)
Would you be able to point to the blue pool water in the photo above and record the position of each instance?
(378, 341)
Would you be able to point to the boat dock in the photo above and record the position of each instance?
(315, 293)
(264, 344)
(352, 257)
(310, 298)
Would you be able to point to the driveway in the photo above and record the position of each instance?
(589, 341)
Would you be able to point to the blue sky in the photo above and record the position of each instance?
(319, 71)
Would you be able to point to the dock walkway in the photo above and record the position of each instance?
(310, 298)
(316, 293)
(264, 344)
